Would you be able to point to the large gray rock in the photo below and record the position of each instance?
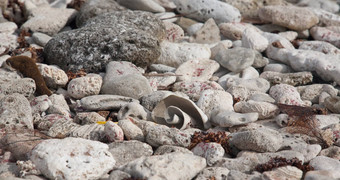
(119, 36)
(143, 21)
(94, 8)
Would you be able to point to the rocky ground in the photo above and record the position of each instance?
(169, 89)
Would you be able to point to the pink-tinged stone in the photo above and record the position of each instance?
(295, 18)
(194, 88)
(328, 34)
(197, 70)
(113, 132)
(286, 94)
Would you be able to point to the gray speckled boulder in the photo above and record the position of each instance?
(139, 20)
(119, 36)
(94, 8)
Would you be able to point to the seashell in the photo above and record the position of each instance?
(176, 117)
(179, 112)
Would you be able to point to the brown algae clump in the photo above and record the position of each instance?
(28, 68)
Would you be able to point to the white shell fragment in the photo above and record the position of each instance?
(179, 112)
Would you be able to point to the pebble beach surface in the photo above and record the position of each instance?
(170, 89)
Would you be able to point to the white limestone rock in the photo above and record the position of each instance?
(236, 59)
(330, 6)
(130, 130)
(40, 38)
(174, 32)
(254, 40)
(72, 158)
(24, 86)
(218, 173)
(103, 102)
(292, 17)
(8, 38)
(256, 84)
(209, 33)
(203, 10)
(40, 104)
(133, 110)
(259, 140)
(289, 172)
(153, 167)
(324, 163)
(230, 118)
(85, 86)
(211, 151)
(264, 109)
(59, 105)
(127, 151)
(327, 34)
(326, 18)
(48, 20)
(286, 94)
(320, 46)
(54, 76)
(326, 66)
(212, 102)
(234, 30)
(197, 70)
(174, 54)
(194, 88)
(113, 132)
(15, 110)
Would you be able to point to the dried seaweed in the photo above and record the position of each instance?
(72, 75)
(108, 115)
(280, 161)
(21, 39)
(302, 120)
(76, 4)
(277, 44)
(17, 13)
(219, 137)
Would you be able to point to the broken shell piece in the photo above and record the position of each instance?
(179, 112)
(134, 110)
(177, 117)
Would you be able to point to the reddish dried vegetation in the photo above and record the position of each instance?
(76, 4)
(280, 161)
(72, 75)
(219, 137)
(302, 120)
